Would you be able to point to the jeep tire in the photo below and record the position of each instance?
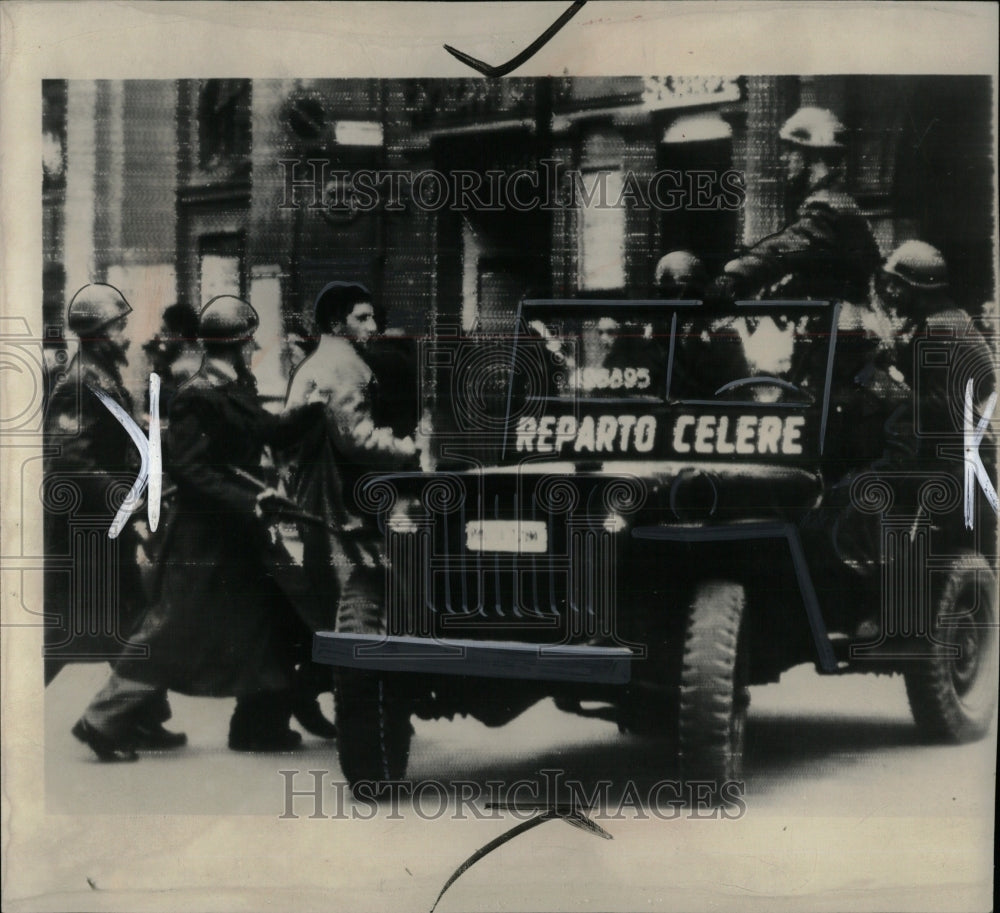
(373, 719)
(713, 695)
(953, 692)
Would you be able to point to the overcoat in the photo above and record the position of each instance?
(216, 625)
(92, 585)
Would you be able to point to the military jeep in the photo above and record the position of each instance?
(634, 510)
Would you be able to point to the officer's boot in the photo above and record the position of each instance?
(312, 680)
(260, 723)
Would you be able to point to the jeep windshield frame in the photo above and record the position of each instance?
(778, 354)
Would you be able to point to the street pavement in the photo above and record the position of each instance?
(845, 808)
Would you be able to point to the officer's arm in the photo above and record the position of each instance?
(190, 460)
(292, 425)
(783, 252)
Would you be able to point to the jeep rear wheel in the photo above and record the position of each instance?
(953, 692)
(373, 715)
(714, 697)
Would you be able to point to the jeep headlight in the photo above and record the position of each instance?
(402, 522)
(614, 523)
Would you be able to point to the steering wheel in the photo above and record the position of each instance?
(766, 381)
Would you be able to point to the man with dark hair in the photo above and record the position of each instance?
(708, 352)
(827, 252)
(337, 375)
(349, 567)
(218, 627)
(174, 353)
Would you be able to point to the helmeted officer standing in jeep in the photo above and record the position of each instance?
(827, 251)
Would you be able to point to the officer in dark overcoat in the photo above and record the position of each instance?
(217, 627)
(90, 463)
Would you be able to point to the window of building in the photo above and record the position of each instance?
(220, 266)
(601, 224)
(223, 122)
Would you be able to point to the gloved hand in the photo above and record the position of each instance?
(268, 501)
(721, 292)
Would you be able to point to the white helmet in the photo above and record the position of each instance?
(813, 128)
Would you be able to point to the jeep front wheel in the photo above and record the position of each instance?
(373, 730)
(372, 712)
(953, 691)
(714, 697)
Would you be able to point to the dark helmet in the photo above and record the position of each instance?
(227, 318)
(94, 307)
(919, 265)
(680, 273)
(336, 301)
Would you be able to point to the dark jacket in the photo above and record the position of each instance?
(827, 252)
(912, 408)
(214, 627)
(92, 584)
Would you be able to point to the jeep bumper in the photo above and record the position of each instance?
(485, 659)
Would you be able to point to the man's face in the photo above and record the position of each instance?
(894, 293)
(359, 325)
(118, 335)
(607, 332)
(793, 160)
(248, 349)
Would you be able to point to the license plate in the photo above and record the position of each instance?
(506, 536)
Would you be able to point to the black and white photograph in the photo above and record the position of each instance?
(404, 461)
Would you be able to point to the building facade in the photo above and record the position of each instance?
(454, 199)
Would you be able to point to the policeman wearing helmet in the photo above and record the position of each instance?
(827, 251)
(913, 284)
(92, 448)
(91, 457)
(218, 627)
(938, 352)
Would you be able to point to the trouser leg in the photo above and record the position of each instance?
(122, 701)
(362, 607)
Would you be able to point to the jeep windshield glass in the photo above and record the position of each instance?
(596, 355)
(760, 353)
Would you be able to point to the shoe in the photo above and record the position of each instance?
(153, 737)
(311, 719)
(288, 740)
(107, 749)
